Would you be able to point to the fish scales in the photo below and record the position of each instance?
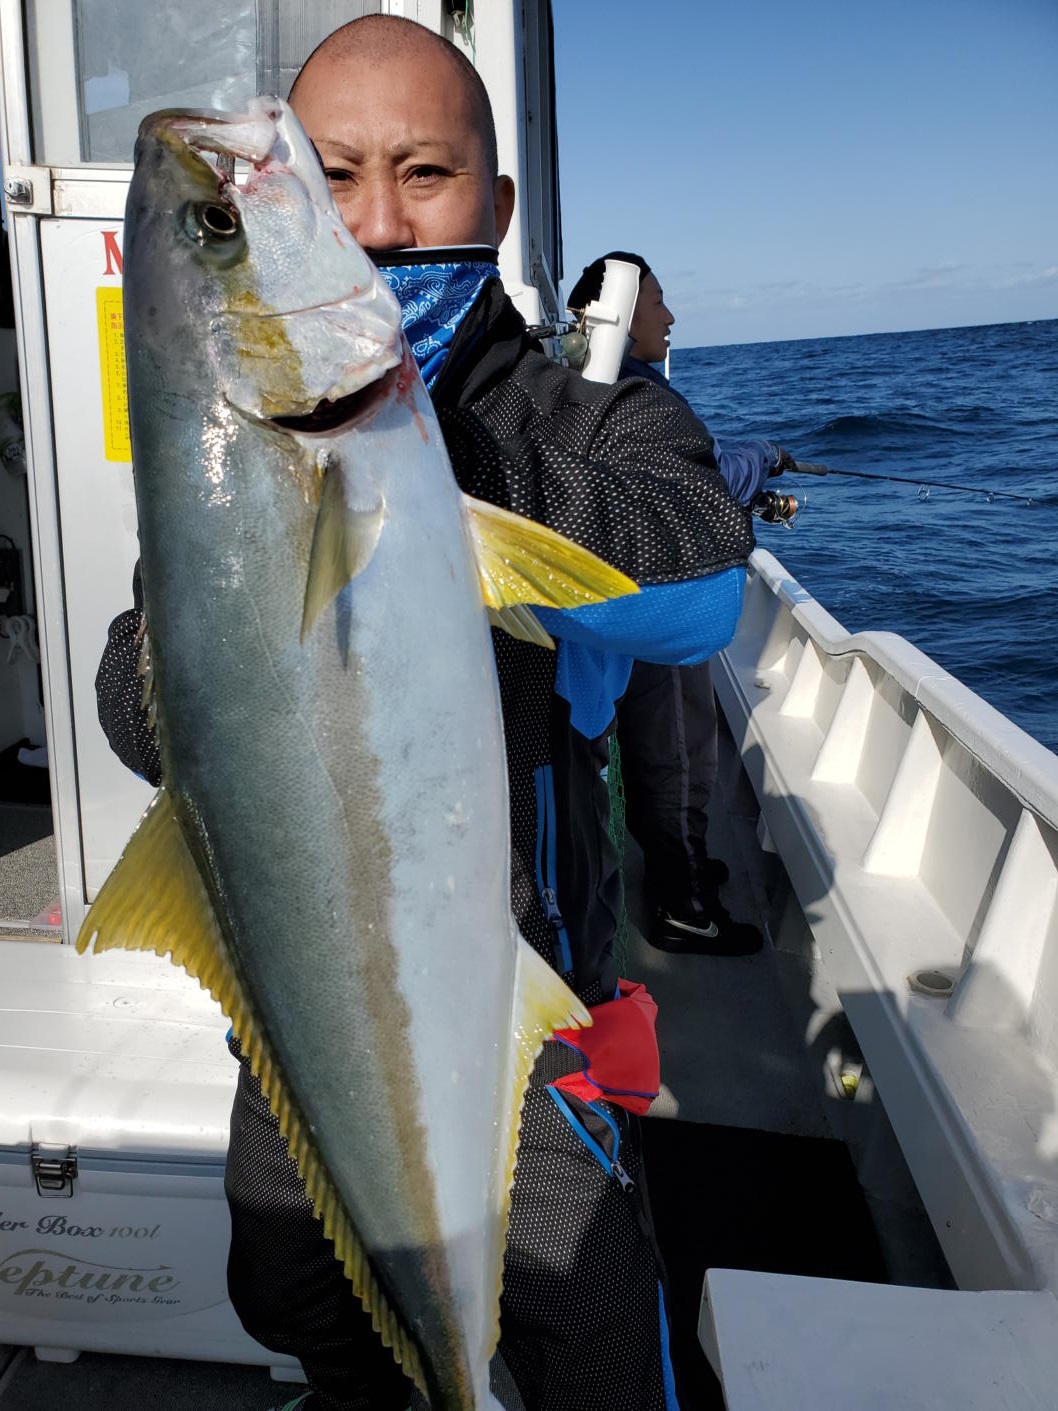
(356, 825)
(333, 819)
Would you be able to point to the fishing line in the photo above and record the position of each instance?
(924, 486)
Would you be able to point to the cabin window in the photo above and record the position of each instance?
(97, 67)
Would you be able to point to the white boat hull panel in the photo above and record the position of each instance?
(919, 829)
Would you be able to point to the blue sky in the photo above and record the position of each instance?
(812, 168)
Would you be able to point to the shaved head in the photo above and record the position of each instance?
(378, 39)
(404, 130)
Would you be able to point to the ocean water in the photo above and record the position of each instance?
(972, 583)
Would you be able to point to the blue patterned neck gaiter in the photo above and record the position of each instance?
(435, 297)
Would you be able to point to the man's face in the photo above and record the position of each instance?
(401, 148)
(650, 324)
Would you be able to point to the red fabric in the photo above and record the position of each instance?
(620, 1052)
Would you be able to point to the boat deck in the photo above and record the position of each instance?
(29, 876)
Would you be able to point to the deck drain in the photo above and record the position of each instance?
(931, 982)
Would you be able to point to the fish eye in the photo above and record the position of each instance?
(216, 221)
(216, 228)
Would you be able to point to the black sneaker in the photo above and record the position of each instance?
(717, 933)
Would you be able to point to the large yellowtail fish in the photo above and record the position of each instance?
(328, 853)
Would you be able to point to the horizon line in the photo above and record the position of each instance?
(873, 333)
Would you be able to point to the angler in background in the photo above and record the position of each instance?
(666, 721)
(403, 127)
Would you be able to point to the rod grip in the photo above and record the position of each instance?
(812, 468)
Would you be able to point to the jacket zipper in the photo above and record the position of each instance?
(547, 864)
(610, 1164)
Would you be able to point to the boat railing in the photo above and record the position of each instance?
(919, 830)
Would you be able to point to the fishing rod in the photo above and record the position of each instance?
(813, 468)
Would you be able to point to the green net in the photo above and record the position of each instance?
(617, 837)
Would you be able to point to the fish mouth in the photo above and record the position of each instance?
(250, 136)
(265, 135)
(342, 413)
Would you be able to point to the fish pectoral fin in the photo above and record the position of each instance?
(521, 563)
(343, 542)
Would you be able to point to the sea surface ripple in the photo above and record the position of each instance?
(972, 583)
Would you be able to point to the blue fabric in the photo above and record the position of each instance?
(580, 1129)
(600, 1111)
(607, 1162)
(635, 367)
(746, 465)
(592, 682)
(668, 1375)
(434, 300)
(676, 624)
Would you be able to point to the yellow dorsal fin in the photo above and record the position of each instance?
(343, 541)
(155, 900)
(543, 1002)
(521, 562)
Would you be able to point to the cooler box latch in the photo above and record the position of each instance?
(54, 1169)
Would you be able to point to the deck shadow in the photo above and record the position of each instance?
(732, 1197)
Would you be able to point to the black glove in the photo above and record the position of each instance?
(785, 462)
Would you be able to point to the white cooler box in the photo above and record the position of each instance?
(115, 1094)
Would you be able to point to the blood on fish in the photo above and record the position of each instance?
(405, 384)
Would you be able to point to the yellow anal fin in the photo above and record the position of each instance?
(343, 542)
(543, 1002)
(155, 900)
(521, 562)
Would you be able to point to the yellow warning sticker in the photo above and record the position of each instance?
(112, 373)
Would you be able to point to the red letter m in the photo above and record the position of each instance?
(113, 252)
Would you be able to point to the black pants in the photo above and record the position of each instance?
(581, 1314)
(666, 730)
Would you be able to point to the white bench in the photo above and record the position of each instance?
(783, 1343)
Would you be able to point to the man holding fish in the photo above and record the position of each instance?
(381, 1077)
